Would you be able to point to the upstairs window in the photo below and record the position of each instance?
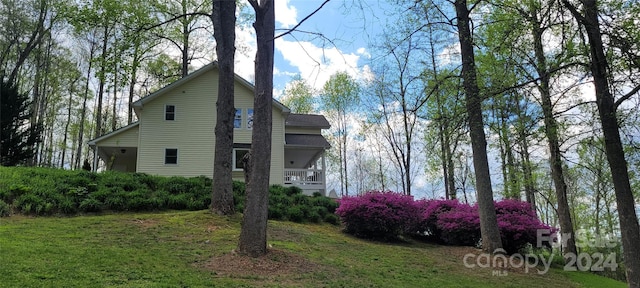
(237, 119)
(243, 118)
(170, 112)
(250, 118)
(170, 156)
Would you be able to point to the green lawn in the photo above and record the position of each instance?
(176, 249)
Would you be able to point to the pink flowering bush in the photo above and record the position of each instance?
(518, 224)
(377, 214)
(387, 215)
(430, 210)
(460, 226)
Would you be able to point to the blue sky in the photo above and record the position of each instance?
(345, 30)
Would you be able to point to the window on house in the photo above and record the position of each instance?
(237, 120)
(170, 112)
(170, 156)
(250, 118)
(238, 154)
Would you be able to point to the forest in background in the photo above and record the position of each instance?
(404, 128)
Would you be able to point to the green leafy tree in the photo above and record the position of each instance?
(298, 96)
(488, 222)
(340, 96)
(589, 17)
(17, 137)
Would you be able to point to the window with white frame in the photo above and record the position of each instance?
(237, 119)
(238, 154)
(170, 156)
(170, 112)
(249, 118)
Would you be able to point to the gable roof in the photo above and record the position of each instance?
(307, 121)
(213, 65)
(93, 142)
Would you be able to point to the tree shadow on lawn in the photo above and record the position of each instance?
(274, 264)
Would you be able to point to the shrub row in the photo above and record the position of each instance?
(43, 191)
(389, 215)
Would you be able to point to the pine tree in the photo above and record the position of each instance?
(17, 136)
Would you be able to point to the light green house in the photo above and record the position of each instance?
(174, 135)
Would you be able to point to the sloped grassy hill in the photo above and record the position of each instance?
(194, 249)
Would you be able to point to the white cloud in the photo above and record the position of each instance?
(363, 51)
(245, 53)
(317, 64)
(450, 55)
(286, 15)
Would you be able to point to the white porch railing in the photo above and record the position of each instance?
(306, 179)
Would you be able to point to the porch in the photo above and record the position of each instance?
(309, 180)
(305, 163)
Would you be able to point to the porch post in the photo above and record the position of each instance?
(324, 174)
(95, 159)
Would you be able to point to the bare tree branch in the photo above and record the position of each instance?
(626, 96)
(173, 19)
(302, 21)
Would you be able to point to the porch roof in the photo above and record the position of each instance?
(93, 142)
(306, 141)
(307, 121)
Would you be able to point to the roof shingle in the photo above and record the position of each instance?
(307, 121)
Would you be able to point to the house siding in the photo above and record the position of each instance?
(127, 138)
(192, 131)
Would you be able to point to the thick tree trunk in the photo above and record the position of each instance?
(253, 236)
(629, 228)
(224, 21)
(555, 156)
(488, 223)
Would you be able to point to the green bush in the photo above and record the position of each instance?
(67, 206)
(29, 203)
(90, 205)
(178, 202)
(46, 191)
(332, 219)
(5, 209)
(295, 213)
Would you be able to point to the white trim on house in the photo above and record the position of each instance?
(234, 158)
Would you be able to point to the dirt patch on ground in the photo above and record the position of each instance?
(145, 223)
(275, 263)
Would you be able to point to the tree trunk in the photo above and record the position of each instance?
(102, 79)
(253, 236)
(83, 113)
(185, 41)
(551, 131)
(224, 21)
(527, 173)
(114, 105)
(66, 125)
(491, 241)
(629, 228)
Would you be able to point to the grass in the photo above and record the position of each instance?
(172, 249)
